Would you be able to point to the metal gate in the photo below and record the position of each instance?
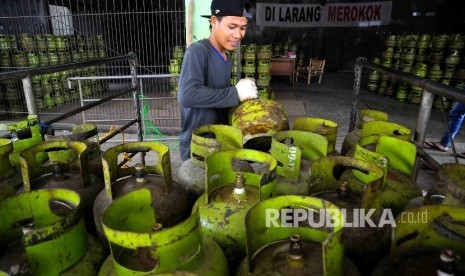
(48, 32)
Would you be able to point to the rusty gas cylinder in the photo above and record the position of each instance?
(453, 184)
(423, 239)
(400, 191)
(366, 115)
(355, 186)
(141, 245)
(24, 134)
(295, 151)
(293, 244)
(399, 187)
(70, 173)
(42, 232)
(170, 202)
(10, 178)
(88, 134)
(258, 120)
(206, 140)
(229, 194)
(320, 126)
(375, 128)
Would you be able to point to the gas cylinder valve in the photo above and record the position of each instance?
(295, 248)
(140, 173)
(239, 190)
(446, 263)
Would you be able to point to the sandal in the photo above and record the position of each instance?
(461, 155)
(436, 146)
(429, 143)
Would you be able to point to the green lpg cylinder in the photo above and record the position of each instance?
(320, 126)
(356, 187)
(420, 239)
(65, 171)
(299, 247)
(42, 233)
(375, 128)
(26, 42)
(451, 181)
(399, 187)
(229, 194)
(258, 120)
(178, 52)
(5, 43)
(206, 140)
(175, 66)
(295, 151)
(88, 134)
(366, 115)
(140, 245)
(10, 178)
(25, 134)
(170, 202)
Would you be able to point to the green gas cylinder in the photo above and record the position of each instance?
(258, 119)
(375, 128)
(420, 238)
(295, 150)
(280, 242)
(450, 189)
(65, 171)
(356, 187)
(320, 126)
(229, 194)
(140, 245)
(10, 178)
(206, 140)
(88, 134)
(452, 182)
(24, 134)
(399, 186)
(366, 115)
(170, 202)
(42, 233)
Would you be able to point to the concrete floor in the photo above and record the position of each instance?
(332, 100)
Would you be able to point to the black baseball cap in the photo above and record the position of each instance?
(226, 8)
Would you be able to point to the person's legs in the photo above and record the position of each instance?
(456, 116)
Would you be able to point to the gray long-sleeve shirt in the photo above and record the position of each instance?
(204, 93)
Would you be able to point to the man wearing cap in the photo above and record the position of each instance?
(205, 93)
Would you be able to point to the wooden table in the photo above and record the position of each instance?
(283, 67)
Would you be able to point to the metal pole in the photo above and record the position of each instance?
(136, 95)
(142, 105)
(17, 74)
(29, 95)
(88, 106)
(82, 101)
(358, 78)
(422, 125)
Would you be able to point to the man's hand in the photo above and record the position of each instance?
(246, 89)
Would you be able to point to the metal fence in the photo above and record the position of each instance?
(36, 33)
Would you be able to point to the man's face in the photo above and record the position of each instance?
(228, 32)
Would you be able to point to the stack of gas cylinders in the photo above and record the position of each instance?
(261, 196)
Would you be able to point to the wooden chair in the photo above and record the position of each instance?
(316, 67)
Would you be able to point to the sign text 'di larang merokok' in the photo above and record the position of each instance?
(330, 15)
